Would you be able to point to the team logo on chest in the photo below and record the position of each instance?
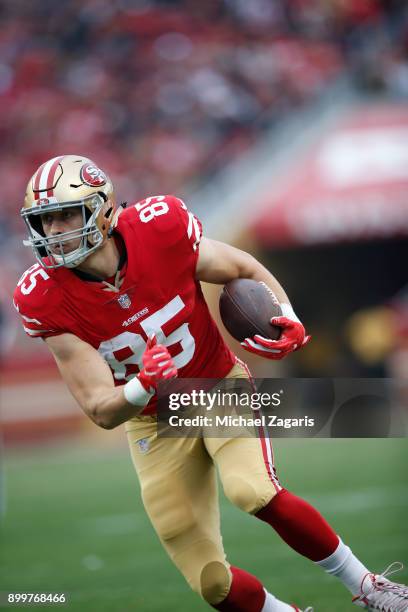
(124, 301)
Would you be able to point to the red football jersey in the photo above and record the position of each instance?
(159, 294)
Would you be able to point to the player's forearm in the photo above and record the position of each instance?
(109, 408)
(90, 381)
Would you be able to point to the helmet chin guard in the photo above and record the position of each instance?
(66, 182)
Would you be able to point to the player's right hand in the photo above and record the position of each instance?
(158, 365)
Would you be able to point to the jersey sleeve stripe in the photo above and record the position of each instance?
(36, 332)
(36, 321)
(190, 224)
(197, 233)
(193, 225)
(182, 203)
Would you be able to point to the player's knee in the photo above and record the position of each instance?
(245, 495)
(215, 582)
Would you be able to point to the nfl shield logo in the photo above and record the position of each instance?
(143, 445)
(124, 301)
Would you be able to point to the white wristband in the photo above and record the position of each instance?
(135, 393)
(288, 312)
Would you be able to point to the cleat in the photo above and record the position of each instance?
(309, 609)
(380, 593)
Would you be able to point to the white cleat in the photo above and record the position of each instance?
(379, 593)
(309, 609)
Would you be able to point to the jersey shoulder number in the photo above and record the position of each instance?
(166, 218)
(31, 278)
(35, 301)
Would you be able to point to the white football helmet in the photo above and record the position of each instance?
(60, 183)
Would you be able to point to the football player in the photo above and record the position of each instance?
(116, 296)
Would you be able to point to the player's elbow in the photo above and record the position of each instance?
(100, 416)
(107, 407)
(105, 423)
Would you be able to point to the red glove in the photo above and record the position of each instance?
(292, 338)
(157, 365)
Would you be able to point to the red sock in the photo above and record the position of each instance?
(246, 593)
(300, 526)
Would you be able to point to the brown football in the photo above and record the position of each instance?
(246, 307)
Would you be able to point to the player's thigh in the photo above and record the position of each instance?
(174, 475)
(246, 464)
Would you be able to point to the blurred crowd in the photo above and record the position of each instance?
(164, 93)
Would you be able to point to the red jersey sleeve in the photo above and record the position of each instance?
(189, 222)
(37, 302)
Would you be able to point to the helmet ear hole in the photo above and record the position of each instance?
(108, 213)
(35, 222)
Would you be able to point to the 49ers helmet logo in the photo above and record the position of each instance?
(92, 175)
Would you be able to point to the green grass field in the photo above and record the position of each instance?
(74, 523)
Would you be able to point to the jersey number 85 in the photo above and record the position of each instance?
(110, 349)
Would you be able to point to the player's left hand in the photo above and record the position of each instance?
(292, 338)
(158, 365)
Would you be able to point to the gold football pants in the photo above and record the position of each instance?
(179, 492)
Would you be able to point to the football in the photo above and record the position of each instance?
(246, 307)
